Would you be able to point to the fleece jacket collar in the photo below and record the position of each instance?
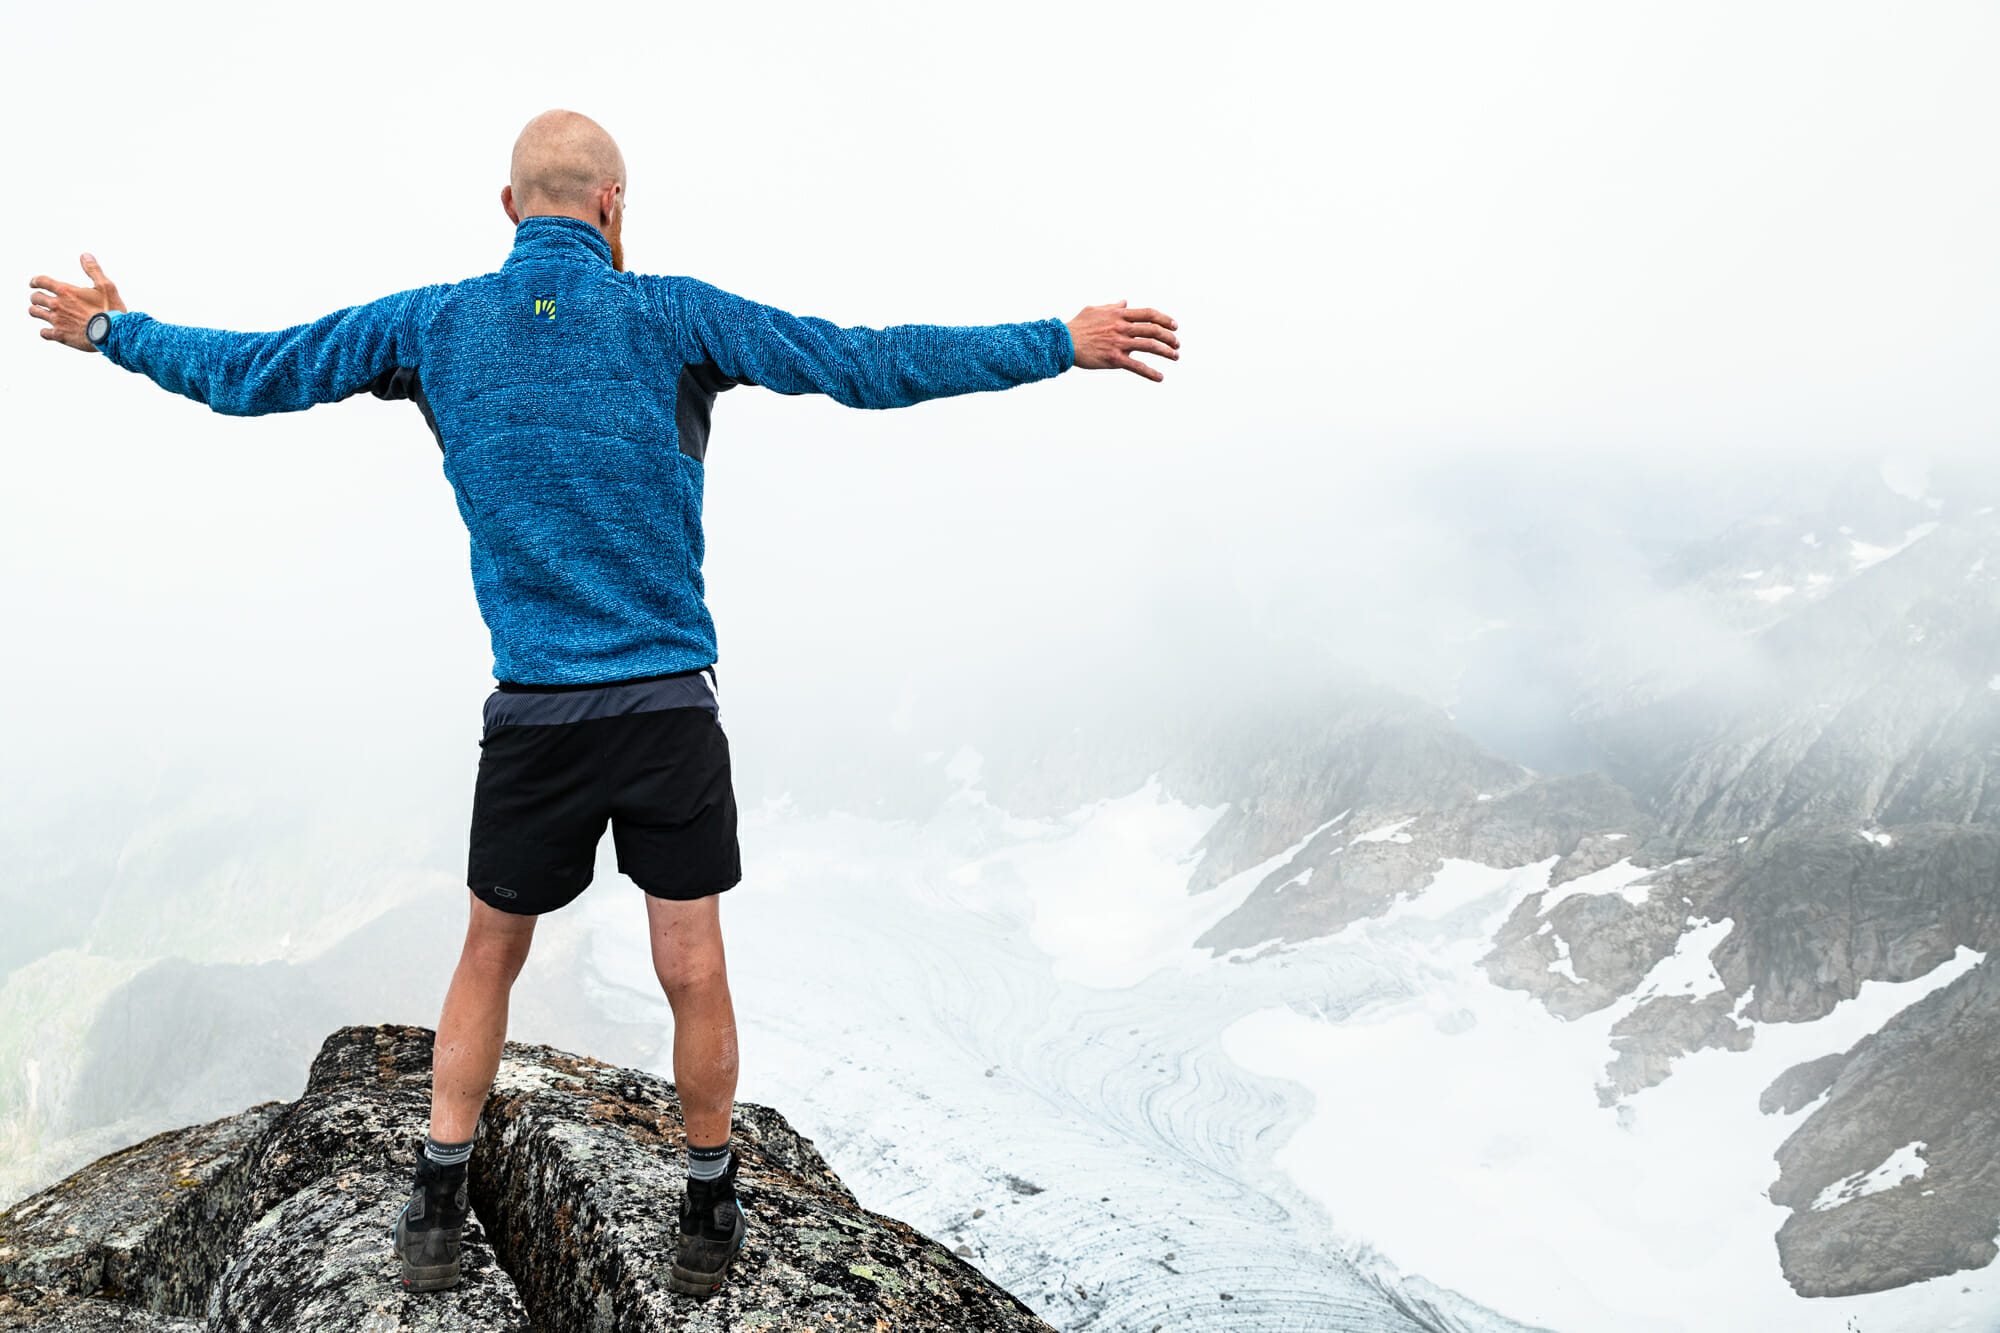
(558, 238)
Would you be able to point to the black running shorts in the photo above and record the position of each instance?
(557, 764)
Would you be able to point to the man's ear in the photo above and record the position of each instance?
(507, 203)
(607, 203)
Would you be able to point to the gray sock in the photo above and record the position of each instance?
(447, 1154)
(707, 1163)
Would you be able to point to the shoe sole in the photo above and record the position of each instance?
(692, 1282)
(422, 1277)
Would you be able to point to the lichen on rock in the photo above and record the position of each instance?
(279, 1218)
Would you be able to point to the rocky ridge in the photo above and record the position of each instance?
(279, 1217)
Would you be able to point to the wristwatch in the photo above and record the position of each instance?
(98, 329)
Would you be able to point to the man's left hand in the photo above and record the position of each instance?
(66, 308)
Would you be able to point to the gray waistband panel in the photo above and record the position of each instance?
(511, 708)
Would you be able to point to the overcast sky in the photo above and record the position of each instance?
(1627, 238)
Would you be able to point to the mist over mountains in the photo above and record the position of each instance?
(1733, 735)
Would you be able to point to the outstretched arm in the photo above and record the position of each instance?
(242, 374)
(904, 364)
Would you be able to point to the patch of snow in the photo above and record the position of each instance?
(1616, 837)
(1777, 594)
(1866, 556)
(1459, 885)
(1687, 971)
(1501, 1117)
(1299, 878)
(1978, 567)
(1485, 796)
(1388, 832)
(1902, 1166)
(1993, 682)
(1879, 839)
(1753, 574)
(1561, 966)
(1617, 879)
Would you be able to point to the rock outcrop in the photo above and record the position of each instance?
(1921, 1087)
(279, 1218)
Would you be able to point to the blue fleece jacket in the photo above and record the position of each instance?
(572, 405)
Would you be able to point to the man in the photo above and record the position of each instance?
(571, 401)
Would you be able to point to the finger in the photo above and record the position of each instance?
(1151, 317)
(1152, 348)
(1137, 368)
(39, 313)
(49, 284)
(97, 278)
(42, 298)
(50, 333)
(1155, 331)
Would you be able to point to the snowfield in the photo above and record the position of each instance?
(999, 1030)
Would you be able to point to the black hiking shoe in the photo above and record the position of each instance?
(428, 1229)
(711, 1234)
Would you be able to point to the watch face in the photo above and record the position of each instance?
(99, 327)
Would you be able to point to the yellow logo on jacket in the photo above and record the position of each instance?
(545, 307)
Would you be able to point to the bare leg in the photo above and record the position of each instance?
(474, 1025)
(687, 957)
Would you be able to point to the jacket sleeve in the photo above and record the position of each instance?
(859, 367)
(249, 374)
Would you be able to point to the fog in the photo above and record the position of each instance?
(1451, 279)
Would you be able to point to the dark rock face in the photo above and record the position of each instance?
(327, 1183)
(1802, 1085)
(1820, 911)
(1363, 751)
(1928, 1077)
(279, 1218)
(149, 1225)
(1648, 1039)
(1586, 823)
(43, 1310)
(1611, 945)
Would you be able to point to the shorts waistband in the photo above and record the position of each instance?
(562, 705)
(514, 687)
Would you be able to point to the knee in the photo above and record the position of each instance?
(495, 960)
(692, 979)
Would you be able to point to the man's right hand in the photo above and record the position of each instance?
(1105, 336)
(66, 308)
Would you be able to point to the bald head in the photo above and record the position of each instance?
(562, 162)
